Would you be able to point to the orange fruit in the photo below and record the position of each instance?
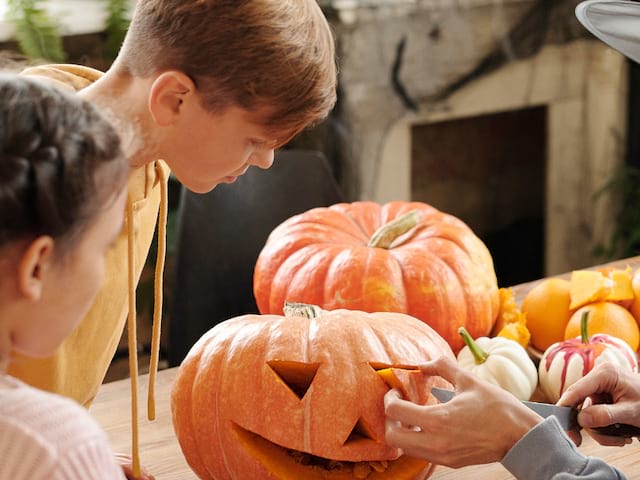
(547, 308)
(635, 305)
(609, 318)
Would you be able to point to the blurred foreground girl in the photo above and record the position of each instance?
(62, 198)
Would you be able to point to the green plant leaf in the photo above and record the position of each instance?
(625, 238)
(37, 34)
(116, 25)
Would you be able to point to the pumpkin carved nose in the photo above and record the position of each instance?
(361, 432)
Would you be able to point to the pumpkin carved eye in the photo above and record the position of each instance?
(297, 376)
(378, 367)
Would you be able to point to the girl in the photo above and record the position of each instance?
(62, 194)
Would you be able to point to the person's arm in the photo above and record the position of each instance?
(32, 454)
(88, 461)
(484, 423)
(546, 452)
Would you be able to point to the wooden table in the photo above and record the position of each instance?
(161, 454)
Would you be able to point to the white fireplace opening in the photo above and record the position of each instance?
(572, 99)
(489, 170)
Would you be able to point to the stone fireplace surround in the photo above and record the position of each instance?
(412, 62)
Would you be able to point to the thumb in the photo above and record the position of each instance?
(391, 396)
(601, 415)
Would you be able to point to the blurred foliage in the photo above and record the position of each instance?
(37, 34)
(116, 26)
(625, 239)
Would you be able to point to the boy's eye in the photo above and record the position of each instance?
(258, 144)
(263, 144)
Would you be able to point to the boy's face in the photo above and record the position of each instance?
(206, 149)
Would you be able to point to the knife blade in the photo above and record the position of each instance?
(566, 416)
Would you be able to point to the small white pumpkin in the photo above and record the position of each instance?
(501, 361)
(563, 363)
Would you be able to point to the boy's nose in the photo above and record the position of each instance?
(263, 159)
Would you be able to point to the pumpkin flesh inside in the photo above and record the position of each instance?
(287, 464)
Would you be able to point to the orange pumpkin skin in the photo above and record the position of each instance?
(228, 390)
(439, 272)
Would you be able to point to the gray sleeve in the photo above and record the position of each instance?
(546, 452)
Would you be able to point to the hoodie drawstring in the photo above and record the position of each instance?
(132, 340)
(157, 292)
(157, 315)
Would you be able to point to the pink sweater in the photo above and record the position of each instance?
(46, 436)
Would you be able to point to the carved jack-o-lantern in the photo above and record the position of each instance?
(292, 398)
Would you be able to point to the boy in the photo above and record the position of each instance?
(206, 88)
(209, 87)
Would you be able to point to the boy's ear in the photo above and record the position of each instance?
(34, 267)
(168, 92)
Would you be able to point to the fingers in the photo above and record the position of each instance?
(601, 379)
(578, 392)
(601, 415)
(443, 367)
(128, 473)
(125, 461)
(418, 444)
(575, 437)
(391, 396)
(398, 436)
(403, 411)
(413, 444)
(608, 440)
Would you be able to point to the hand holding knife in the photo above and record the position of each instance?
(484, 423)
(566, 416)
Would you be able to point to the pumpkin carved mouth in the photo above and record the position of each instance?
(288, 464)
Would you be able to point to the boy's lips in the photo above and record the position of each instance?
(233, 178)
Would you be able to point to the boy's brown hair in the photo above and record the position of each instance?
(278, 54)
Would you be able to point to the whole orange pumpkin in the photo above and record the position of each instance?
(292, 398)
(402, 256)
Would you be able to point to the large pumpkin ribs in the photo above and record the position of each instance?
(301, 396)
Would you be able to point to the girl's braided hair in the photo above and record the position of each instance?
(60, 162)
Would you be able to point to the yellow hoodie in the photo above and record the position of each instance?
(79, 366)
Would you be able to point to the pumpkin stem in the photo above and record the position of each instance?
(386, 234)
(584, 333)
(478, 353)
(293, 309)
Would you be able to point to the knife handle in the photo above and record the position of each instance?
(618, 430)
